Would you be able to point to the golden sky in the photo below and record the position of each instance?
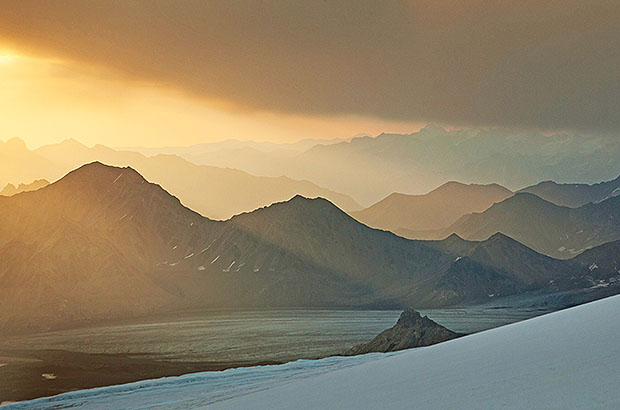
(46, 100)
(123, 72)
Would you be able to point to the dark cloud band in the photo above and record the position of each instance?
(532, 63)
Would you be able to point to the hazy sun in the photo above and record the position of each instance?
(6, 58)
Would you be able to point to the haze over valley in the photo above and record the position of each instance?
(317, 205)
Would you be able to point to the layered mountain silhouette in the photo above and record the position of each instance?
(10, 189)
(369, 169)
(252, 156)
(215, 192)
(102, 242)
(551, 229)
(438, 209)
(575, 195)
(18, 163)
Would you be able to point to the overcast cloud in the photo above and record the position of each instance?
(528, 63)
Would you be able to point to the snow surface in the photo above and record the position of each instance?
(568, 359)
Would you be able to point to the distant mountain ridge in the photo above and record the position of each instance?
(102, 242)
(218, 193)
(438, 209)
(10, 189)
(551, 229)
(369, 169)
(425, 159)
(574, 195)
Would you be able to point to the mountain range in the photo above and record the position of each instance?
(238, 154)
(438, 209)
(575, 195)
(548, 228)
(102, 242)
(215, 192)
(371, 168)
(10, 189)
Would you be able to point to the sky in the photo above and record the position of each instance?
(175, 73)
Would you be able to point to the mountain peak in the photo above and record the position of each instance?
(433, 129)
(411, 330)
(449, 185)
(296, 213)
(454, 237)
(304, 204)
(16, 143)
(525, 198)
(498, 236)
(97, 174)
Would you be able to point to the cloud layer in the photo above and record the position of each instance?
(532, 63)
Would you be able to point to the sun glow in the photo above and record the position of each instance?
(41, 97)
(7, 58)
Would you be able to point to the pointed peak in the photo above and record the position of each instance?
(499, 237)
(8, 190)
(454, 237)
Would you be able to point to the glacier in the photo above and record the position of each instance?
(565, 359)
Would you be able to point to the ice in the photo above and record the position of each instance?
(567, 359)
(198, 390)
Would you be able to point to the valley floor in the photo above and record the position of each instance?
(197, 341)
(27, 374)
(566, 359)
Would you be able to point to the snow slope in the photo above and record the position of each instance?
(568, 359)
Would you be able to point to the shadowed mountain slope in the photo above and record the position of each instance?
(551, 229)
(574, 195)
(215, 192)
(102, 242)
(437, 209)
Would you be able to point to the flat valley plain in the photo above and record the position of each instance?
(208, 340)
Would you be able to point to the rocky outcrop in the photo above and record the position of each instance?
(411, 330)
